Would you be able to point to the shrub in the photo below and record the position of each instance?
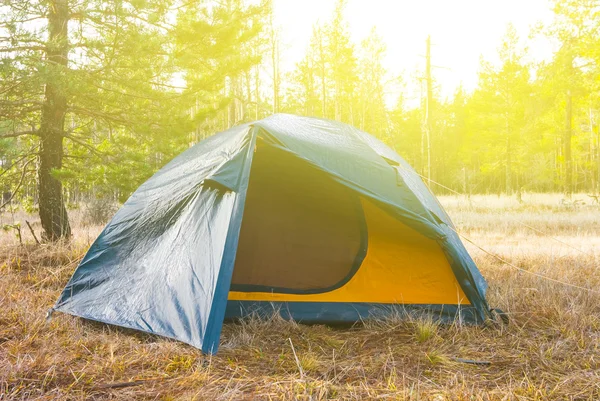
(98, 211)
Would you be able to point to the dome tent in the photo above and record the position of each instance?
(310, 217)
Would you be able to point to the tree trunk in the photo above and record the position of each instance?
(428, 107)
(337, 109)
(567, 147)
(248, 100)
(466, 190)
(256, 88)
(275, 61)
(592, 158)
(597, 160)
(322, 72)
(508, 159)
(53, 213)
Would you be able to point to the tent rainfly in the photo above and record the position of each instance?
(311, 218)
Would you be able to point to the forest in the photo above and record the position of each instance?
(96, 96)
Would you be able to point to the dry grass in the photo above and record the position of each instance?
(550, 350)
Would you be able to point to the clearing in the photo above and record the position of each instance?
(550, 349)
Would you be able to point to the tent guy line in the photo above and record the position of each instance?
(515, 266)
(518, 222)
(542, 276)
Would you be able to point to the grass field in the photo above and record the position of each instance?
(550, 349)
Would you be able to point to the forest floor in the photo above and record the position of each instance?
(549, 350)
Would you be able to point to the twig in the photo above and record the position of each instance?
(32, 232)
(122, 384)
(297, 360)
(7, 169)
(17, 228)
(472, 362)
(89, 147)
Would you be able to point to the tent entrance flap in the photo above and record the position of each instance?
(302, 232)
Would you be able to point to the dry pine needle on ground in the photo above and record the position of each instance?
(550, 350)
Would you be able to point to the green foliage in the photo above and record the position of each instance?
(16, 227)
(509, 135)
(29, 206)
(142, 79)
(145, 80)
(326, 79)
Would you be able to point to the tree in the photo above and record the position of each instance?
(328, 71)
(372, 113)
(342, 65)
(304, 97)
(215, 46)
(102, 76)
(577, 30)
(308, 93)
(82, 59)
(405, 126)
(501, 100)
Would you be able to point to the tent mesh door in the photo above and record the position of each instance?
(302, 232)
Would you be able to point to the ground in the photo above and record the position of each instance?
(549, 350)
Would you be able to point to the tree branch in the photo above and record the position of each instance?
(99, 114)
(20, 133)
(21, 48)
(18, 185)
(19, 102)
(85, 145)
(12, 114)
(22, 21)
(25, 156)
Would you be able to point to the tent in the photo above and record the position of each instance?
(309, 217)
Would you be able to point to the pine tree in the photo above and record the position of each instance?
(310, 80)
(96, 79)
(373, 115)
(342, 65)
(501, 102)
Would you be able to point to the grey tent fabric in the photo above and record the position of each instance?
(164, 263)
(156, 265)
